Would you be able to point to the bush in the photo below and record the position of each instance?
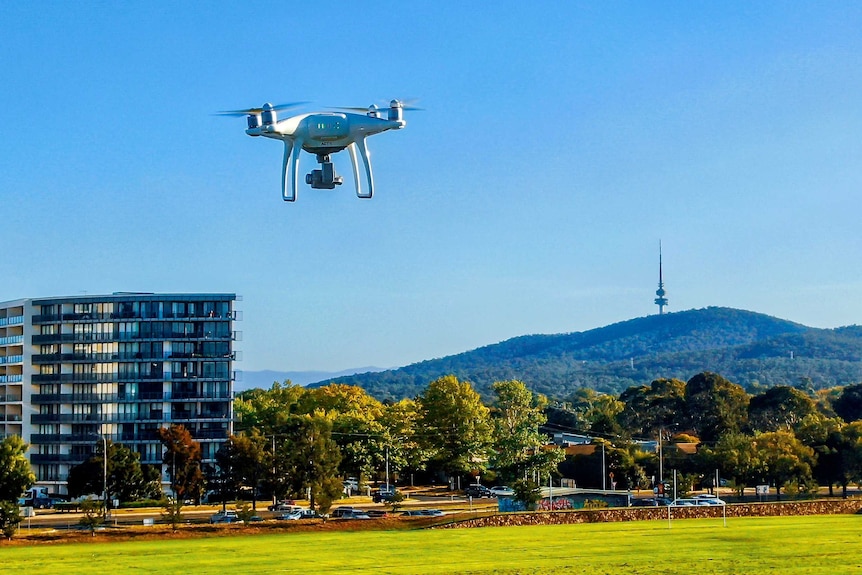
(527, 492)
(141, 503)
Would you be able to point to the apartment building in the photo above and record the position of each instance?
(76, 369)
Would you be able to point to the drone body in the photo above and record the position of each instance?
(323, 134)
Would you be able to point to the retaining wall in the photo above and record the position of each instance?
(818, 507)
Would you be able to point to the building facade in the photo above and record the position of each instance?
(74, 370)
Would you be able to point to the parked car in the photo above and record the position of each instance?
(432, 512)
(284, 506)
(349, 513)
(386, 493)
(502, 491)
(228, 516)
(289, 516)
(377, 513)
(477, 491)
(310, 514)
(412, 513)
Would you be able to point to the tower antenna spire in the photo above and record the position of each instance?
(660, 301)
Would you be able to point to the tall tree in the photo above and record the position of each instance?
(848, 406)
(356, 426)
(715, 406)
(127, 479)
(308, 458)
(182, 457)
(15, 473)
(823, 435)
(400, 437)
(267, 409)
(850, 449)
(649, 410)
(518, 447)
(244, 461)
(455, 425)
(735, 455)
(779, 407)
(782, 458)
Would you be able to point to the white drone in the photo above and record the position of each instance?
(322, 134)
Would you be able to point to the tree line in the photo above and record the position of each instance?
(297, 442)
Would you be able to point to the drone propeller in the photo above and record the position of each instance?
(404, 105)
(257, 111)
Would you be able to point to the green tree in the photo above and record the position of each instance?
(172, 512)
(823, 435)
(850, 453)
(15, 474)
(848, 406)
(518, 447)
(456, 426)
(597, 412)
(401, 432)
(10, 517)
(356, 426)
(307, 459)
(735, 455)
(715, 406)
(783, 458)
(267, 409)
(649, 410)
(527, 492)
(92, 514)
(245, 462)
(182, 457)
(779, 407)
(127, 479)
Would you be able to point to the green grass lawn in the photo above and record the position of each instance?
(827, 545)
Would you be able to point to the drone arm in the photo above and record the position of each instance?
(363, 151)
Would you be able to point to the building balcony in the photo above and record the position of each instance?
(120, 337)
(47, 458)
(11, 320)
(158, 416)
(14, 378)
(73, 398)
(11, 359)
(122, 315)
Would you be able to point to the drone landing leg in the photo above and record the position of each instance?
(289, 195)
(354, 161)
(363, 151)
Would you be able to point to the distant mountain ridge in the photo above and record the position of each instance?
(746, 347)
(265, 378)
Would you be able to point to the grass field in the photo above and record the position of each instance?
(827, 545)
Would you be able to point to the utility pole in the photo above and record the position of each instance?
(105, 509)
(604, 469)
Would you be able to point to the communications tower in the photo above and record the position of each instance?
(660, 301)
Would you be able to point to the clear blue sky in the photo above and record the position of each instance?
(561, 142)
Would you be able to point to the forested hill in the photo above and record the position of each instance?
(745, 347)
